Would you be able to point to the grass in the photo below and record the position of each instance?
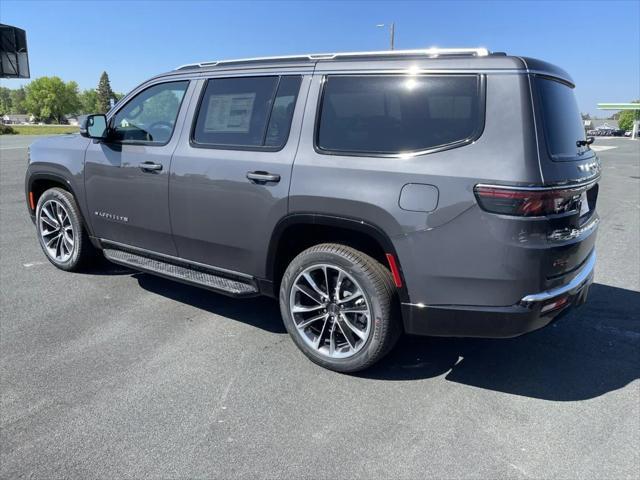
(43, 129)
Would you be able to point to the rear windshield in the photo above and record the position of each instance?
(561, 119)
(390, 114)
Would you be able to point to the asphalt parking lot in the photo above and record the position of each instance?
(115, 374)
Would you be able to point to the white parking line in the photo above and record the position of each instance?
(33, 264)
(600, 148)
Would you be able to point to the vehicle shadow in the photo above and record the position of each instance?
(588, 352)
(260, 312)
(102, 266)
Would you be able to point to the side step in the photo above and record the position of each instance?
(183, 271)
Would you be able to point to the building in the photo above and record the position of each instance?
(604, 123)
(17, 119)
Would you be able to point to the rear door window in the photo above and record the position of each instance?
(246, 112)
(561, 119)
(394, 114)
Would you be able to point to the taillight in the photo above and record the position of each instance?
(528, 203)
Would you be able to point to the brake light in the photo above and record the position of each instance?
(528, 203)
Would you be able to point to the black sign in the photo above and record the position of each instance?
(14, 60)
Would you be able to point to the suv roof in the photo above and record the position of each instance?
(440, 59)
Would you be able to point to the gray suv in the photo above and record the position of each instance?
(447, 192)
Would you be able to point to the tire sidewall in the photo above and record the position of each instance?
(69, 205)
(364, 355)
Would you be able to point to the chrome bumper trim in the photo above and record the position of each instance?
(579, 280)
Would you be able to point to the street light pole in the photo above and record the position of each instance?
(392, 33)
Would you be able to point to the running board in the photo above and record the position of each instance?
(182, 271)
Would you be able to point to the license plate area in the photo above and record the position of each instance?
(588, 203)
(584, 204)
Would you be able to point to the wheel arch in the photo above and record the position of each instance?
(39, 182)
(299, 231)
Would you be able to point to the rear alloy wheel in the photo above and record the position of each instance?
(330, 311)
(338, 306)
(60, 230)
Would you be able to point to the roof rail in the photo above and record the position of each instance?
(428, 52)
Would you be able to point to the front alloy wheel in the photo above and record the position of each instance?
(60, 231)
(56, 231)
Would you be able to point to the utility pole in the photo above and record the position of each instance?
(392, 33)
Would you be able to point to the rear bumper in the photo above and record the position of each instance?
(530, 313)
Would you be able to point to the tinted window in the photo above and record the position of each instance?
(282, 112)
(150, 116)
(246, 111)
(561, 118)
(398, 113)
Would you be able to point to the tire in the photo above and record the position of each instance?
(71, 250)
(343, 338)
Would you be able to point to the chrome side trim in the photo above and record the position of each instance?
(579, 280)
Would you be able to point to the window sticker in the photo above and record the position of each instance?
(230, 113)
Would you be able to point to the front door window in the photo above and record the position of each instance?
(150, 116)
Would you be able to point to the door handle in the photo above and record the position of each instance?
(263, 177)
(150, 166)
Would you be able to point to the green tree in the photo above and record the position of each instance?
(105, 94)
(88, 101)
(18, 97)
(49, 98)
(5, 100)
(626, 118)
(161, 106)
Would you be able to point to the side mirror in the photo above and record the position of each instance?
(590, 140)
(94, 126)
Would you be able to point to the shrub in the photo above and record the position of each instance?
(7, 130)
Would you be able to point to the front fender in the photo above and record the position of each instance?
(59, 159)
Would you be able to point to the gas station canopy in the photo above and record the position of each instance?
(619, 106)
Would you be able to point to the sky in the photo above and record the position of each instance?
(597, 42)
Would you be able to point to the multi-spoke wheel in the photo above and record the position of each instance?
(337, 304)
(330, 311)
(60, 231)
(56, 230)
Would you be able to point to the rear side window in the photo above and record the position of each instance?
(562, 123)
(392, 114)
(246, 112)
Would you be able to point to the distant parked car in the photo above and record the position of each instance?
(628, 133)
